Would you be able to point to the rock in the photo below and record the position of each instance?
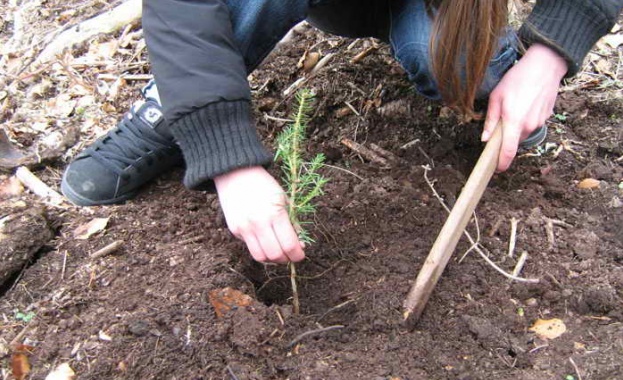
(585, 245)
(138, 328)
(22, 234)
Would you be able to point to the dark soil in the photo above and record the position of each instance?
(144, 311)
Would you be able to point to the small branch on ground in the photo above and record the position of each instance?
(359, 57)
(549, 230)
(365, 152)
(475, 245)
(520, 263)
(313, 332)
(107, 250)
(37, 186)
(126, 13)
(513, 237)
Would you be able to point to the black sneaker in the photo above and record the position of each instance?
(536, 138)
(135, 152)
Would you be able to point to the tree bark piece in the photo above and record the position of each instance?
(452, 230)
(365, 152)
(109, 22)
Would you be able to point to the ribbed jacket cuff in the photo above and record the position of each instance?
(217, 139)
(571, 28)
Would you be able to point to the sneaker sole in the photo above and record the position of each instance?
(79, 200)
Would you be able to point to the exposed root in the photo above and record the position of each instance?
(475, 244)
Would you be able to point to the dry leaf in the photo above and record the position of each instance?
(308, 61)
(589, 183)
(613, 40)
(62, 372)
(20, 366)
(548, 328)
(10, 187)
(105, 337)
(86, 230)
(102, 50)
(61, 106)
(223, 300)
(342, 112)
(122, 366)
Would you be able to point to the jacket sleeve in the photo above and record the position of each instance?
(202, 81)
(571, 27)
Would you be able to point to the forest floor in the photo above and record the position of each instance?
(147, 311)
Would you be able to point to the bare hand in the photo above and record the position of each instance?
(255, 209)
(524, 99)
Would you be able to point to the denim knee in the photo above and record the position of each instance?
(258, 25)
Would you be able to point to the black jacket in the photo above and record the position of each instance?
(202, 78)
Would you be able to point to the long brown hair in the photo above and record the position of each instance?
(464, 38)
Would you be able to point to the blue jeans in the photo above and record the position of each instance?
(258, 25)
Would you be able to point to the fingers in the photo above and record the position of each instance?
(288, 239)
(273, 241)
(510, 142)
(254, 247)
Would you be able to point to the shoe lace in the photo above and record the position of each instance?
(129, 141)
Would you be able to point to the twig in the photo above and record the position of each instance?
(20, 335)
(496, 226)
(34, 184)
(339, 306)
(344, 170)
(128, 77)
(352, 108)
(409, 144)
(279, 119)
(575, 367)
(313, 332)
(280, 317)
(64, 266)
(231, 373)
(513, 238)
(107, 250)
(365, 53)
(476, 246)
(549, 230)
(126, 13)
(190, 240)
(520, 263)
(385, 153)
(322, 63)
(365, 152)
(430, 160)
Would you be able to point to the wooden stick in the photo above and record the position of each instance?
(34, 184)
(366, 153)
(107, 250)
(111, 21)
(452, 230)
(365, 53)
(513, 239)
(520, 263)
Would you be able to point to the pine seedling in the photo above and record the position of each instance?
(302, 181)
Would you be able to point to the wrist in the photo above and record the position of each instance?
(548, 59)
(225, 179)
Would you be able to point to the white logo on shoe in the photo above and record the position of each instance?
(152, 115)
